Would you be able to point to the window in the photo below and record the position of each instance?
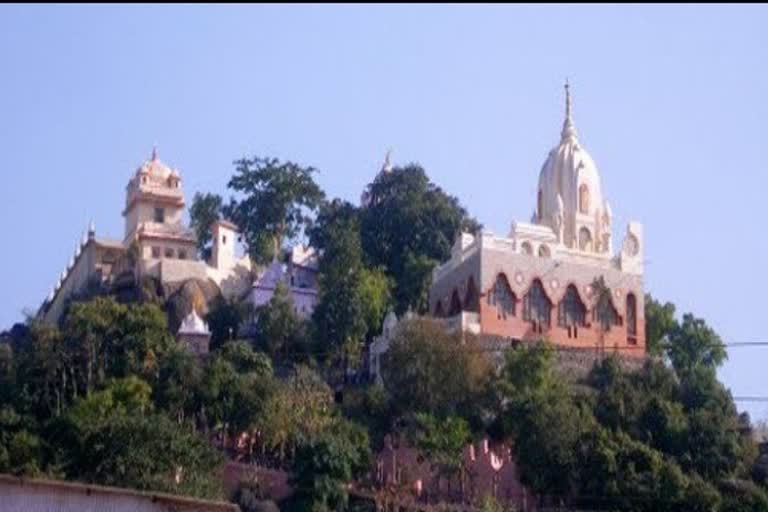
(470, 300)
(159, 215)
(526, 248)
(631, 315)
(544, 251)
(223, 239)
(540, 205)
(583, 198)
(605, 313)
(455, 304)
(585, 239)
(536, 305)
(182, 254)
(169, 252)
(155, 252)
(503, 297)
(571, 312)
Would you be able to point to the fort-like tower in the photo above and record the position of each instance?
(154, 205)
(537, 281)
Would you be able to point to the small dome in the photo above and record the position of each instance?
(193, 324)
(156, 168)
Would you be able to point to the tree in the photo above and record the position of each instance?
(21, 450)
(660, 322)
(205, 210)
(619, 473)
(339, 315)
(694, 344)
(325, 465)
(44, 376)
(178, 381)
(277, 199)
(544, 421)
(235, 389)
(408, 228)
(299, 408)
(106, 339)
(279, 330)
(246, 360)
(442, 441)
(430, 370)
(225, 317)
(150, 452)
(376, 297)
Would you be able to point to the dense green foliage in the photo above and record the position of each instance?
(281, 333)
(112, 398)
(408, 228)
(276, 202)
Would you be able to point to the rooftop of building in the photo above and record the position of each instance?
(174, 502)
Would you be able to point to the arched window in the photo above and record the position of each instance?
(544, 251)
(526, 248)
(571, 311)
(455, 304)
(540, 205)
(585, 239)
(439, 309)
(536, 305)
(470, 299)
(605, 313)
(503, 298)
(583, 198)
(631, 315)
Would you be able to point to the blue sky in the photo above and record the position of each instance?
(669, 100)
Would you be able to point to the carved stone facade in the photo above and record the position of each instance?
(537, 282)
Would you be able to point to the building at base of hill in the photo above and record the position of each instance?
(537, 282)
(38, 495)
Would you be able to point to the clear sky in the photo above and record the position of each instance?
(669, 100)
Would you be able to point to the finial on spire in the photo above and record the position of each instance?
(387, 165)
(154, 152)
(569, 131)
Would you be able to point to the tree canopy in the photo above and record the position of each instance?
(276, 202)
(408, 228)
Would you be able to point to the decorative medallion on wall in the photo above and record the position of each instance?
(617, 293)
(631, 245)
(588, 290)
(554, 284)
(519, 278)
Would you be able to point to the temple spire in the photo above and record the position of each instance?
(569, 131)
(387, 165)
(154, 152)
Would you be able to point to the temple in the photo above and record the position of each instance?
(539, 280)
(155, 244)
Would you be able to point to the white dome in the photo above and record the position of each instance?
(156, 168)
(569, 183)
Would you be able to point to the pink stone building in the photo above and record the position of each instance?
(488, 470)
